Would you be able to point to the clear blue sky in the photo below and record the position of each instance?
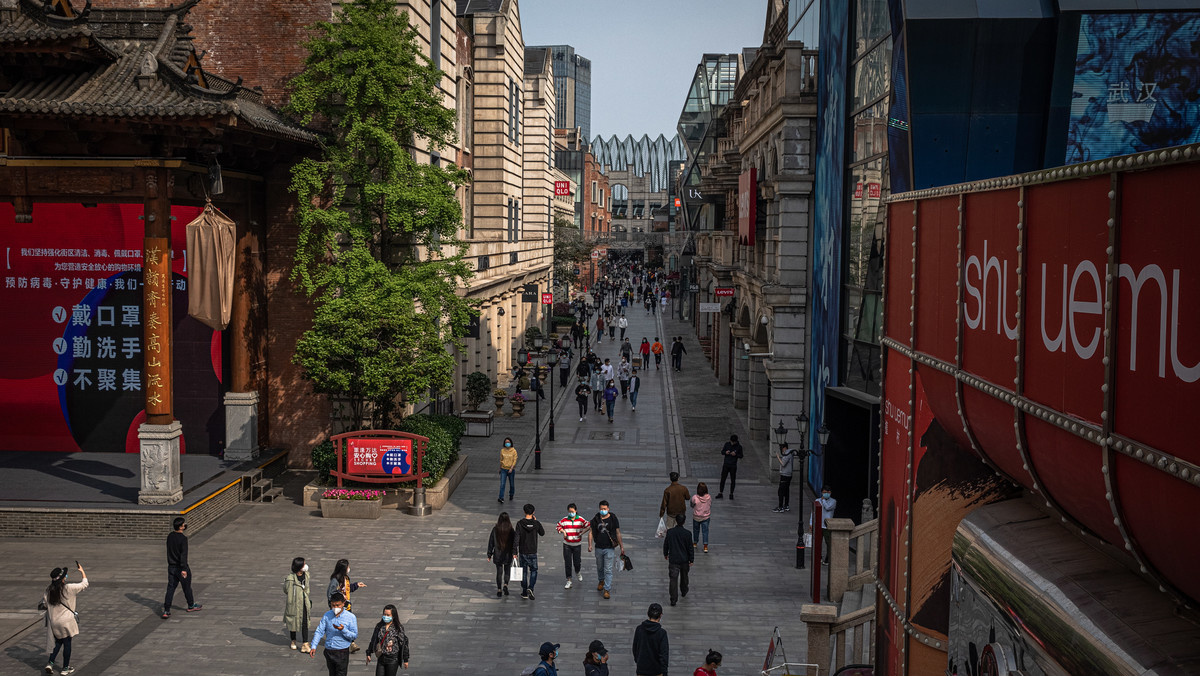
(643, 52)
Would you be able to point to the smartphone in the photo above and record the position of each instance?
(77, 564)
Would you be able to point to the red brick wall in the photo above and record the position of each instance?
(298, 418)
(257, 40)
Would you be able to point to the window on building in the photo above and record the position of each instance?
(514, 111)
(639, 208)
(468, 215)
(595, 194)
(435, 33)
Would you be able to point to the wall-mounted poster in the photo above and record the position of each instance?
(1136, 86)
(71, 363)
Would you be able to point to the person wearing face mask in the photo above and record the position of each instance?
(61, 616)
(828, 506)
(339, 583)
(596, 661)
(548, 652)
(389, 643)
(610, 399)
(178, 571)
(298, 604)
(339, 628)
(605, 535)
(711, 663)
(572, 526)
(508, 469)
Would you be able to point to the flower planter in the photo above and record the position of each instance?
(500, 403)
(518, 408)
(351, 509)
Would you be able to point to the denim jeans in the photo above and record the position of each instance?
(698, 526)
(605, 559)
(509, 475)
(528, 571)
(633, 399)
(608, 406)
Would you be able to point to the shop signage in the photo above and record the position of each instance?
(529, 294)
(562, 188)
(547, 299)
(858, 190)
(678, 202)
(595, 255)
(710, 307)
(747, 205)
(693, 287)
(379, 456)
(873, 191)
(723, 291)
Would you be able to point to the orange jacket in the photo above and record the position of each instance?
(656, 348)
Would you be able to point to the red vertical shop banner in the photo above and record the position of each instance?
(747, 205)
(893, 504)
(72, 374)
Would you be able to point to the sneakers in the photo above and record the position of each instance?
(49, 667)
(194, 607)
(581, 420)
(525, 595)
(720, 495)
(530, 594)
(788, 508)
(579, 576)
(731, 495)
(633, 408)
(672, 603)
(166, 615)
(500, 500)
(306, 648)
(499, 593)
(705, 549)
(354, 647)
(68, 670)
(600, 586)
(606, 594)
(777, 510)
(506, 590)
(293, 645)
(568, 584)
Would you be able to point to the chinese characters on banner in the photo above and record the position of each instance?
(72, 372)
(379, 456)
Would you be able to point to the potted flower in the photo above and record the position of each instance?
(500, 396)
(518, 404)
(351, 503)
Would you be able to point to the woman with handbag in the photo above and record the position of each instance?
(389, 644)
(298, 604)
(61, 614)
(339, 583)
(501, 549)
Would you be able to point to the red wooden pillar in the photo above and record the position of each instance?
(156, 297)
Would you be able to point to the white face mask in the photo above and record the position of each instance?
(304, 569)
(338, 611)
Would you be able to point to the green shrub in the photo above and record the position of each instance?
(442, 449)
(560, 320)
(323, 460)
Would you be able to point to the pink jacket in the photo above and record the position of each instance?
(701, 507)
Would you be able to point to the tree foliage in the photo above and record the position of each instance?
(570, 251)
(377, 247)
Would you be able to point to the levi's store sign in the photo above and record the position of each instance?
(1078, 323)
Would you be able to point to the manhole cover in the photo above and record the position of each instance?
(607, 436)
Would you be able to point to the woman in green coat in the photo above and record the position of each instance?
(298, 607)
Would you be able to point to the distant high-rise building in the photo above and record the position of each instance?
(572, 89)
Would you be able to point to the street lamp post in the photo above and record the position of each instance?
(537, 419)
(803, 452)
(552, 360)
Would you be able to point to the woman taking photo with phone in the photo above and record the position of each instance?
(389, 644)
(61, 614)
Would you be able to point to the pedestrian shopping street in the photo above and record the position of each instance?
(434, 568)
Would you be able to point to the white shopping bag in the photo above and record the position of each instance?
(515, 574)
(661, 532)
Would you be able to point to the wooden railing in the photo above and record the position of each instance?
(837, 641)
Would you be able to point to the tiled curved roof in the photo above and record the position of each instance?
(137, 69)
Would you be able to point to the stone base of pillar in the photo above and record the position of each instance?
(241, 426)
(161, 481)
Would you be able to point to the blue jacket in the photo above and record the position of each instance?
(336, 639)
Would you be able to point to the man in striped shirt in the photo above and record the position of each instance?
(572, 527)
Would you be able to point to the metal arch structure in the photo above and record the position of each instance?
(644, 155)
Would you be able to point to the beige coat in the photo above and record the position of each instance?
(62, 616)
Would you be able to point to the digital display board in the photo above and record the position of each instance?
(71, 353)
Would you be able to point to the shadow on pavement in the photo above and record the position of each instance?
(266, 636)
(486, 587)
(150, 603)
(36, 659)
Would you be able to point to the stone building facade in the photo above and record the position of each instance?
(760, 164)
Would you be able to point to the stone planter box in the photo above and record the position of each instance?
(436, 495)
(479, 423)
(351, 509)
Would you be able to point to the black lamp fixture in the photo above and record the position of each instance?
(500, 312)
(823, 435)
(522, 356)
(781, 433)
(552, 358)
(802, 428)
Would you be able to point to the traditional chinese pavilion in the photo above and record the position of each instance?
(113, 138)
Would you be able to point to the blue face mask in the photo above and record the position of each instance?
(387, 618)
(604, 512)
(507, 445)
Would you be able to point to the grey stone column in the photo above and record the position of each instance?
(241, 426)
(760, 398)
(741, 375)
(161, 480)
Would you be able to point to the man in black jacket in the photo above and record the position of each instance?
(528, 530)
(731, 452)
(178, 571)
(651, 649)
(677, 352)
(680, 553)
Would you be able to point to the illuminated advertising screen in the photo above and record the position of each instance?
(1136, 85)
(379, 456)
(71, 367)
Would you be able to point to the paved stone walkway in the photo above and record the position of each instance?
(434, 569)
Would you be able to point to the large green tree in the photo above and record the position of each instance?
(378, 249)
(571, 250)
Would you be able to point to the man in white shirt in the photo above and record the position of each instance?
(623, 323)
(828, 505)
(607, 371)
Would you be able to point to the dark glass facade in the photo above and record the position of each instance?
(572, 89)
